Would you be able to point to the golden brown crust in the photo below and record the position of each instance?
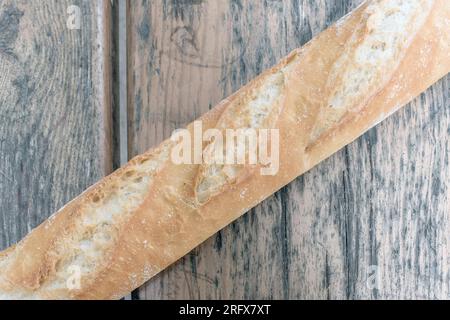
(169, 221)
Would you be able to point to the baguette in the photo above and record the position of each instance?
(134, 223)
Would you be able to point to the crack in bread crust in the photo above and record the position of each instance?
(372, 55)
(83, 247)
(258, 109)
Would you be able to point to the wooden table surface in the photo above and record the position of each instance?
(372, 221)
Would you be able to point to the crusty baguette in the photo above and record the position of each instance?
(145, 216)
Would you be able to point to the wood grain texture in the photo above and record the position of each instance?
(55, 112)
(370, 222)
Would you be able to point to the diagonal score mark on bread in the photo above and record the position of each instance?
(370, 58)
(259, 108)
(90, 231)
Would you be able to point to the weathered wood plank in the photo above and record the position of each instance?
(372, 221)
(55, 113)
(376, 210)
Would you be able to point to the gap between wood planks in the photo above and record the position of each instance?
(120, 76)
